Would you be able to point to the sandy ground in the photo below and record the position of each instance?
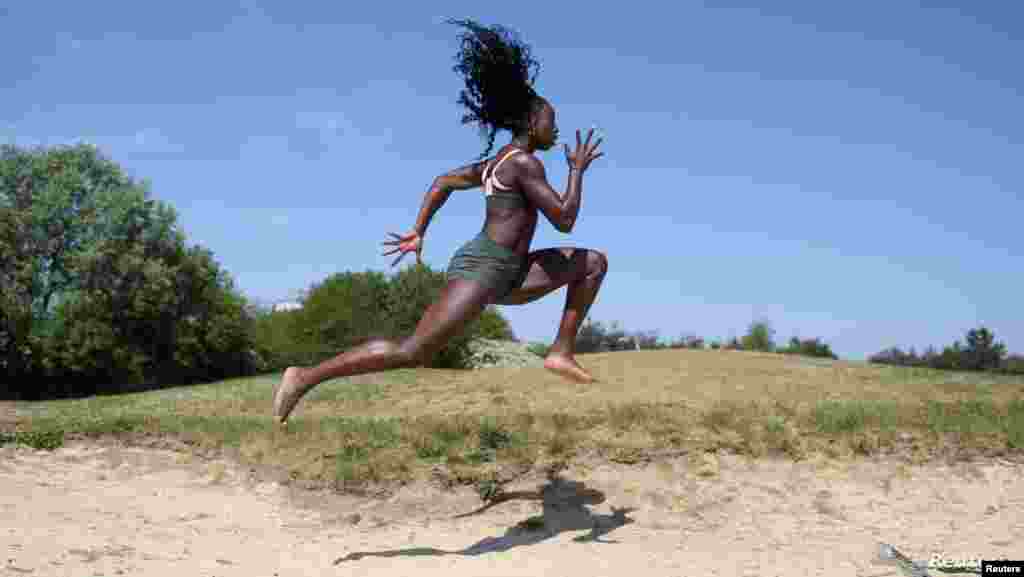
(102, 509)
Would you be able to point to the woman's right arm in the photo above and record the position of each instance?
(561, 211)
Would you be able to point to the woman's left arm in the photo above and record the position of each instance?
(462, 178)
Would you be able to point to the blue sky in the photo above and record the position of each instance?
(849, 171)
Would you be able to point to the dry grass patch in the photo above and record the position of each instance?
(477, 426)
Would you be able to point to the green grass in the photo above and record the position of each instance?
(832, 417)
(979, 417)
(775, 424)
(42, 439)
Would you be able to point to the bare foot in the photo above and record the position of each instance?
(287, 393)
(567, 367)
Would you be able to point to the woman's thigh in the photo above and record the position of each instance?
(549, 270)
(459, 302)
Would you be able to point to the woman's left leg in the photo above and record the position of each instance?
(460, 302)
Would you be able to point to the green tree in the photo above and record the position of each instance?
(350, 308)
(103, 275)
(413, 290)
(810, 348)
(148, 311)
(73, 196)
(347, 308)
(759, 337)
(16, 274)
(982, 353)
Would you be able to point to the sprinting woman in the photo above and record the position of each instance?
(497, 266)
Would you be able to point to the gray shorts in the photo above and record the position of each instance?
(485, 261)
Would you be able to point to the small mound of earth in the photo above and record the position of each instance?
(488, 353)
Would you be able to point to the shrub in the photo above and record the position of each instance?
(809, 348)
(759, 337)
(120, 299)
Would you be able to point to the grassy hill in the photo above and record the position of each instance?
(488, 426)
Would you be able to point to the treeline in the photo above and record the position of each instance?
(595, 337)
(979, 352)
(100, 294)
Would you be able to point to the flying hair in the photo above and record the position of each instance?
(496, 67)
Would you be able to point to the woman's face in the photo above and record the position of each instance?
(545, 132)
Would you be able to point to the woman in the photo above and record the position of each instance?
(497, 266)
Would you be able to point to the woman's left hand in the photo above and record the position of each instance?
(406, 243)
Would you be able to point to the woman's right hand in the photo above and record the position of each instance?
(581, 158)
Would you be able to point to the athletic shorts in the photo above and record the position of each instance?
(485, 261)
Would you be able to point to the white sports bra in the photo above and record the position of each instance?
(491, 181)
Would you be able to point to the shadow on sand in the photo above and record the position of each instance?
(565, 509)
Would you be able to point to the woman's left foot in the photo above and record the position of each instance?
(287, 393)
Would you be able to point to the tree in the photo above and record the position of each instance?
(16, 273)
(347, 308)
(759, 337)
(809, 347)
(615, 339)
(591, 337)
(73, 196)
(149, 311)
(951, 357)
(982, 353)
(102, 275)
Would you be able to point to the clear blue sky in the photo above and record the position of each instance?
(850, 171)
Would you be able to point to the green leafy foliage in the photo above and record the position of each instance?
(100, 277)
(413, 290)
(348, 309)
(808, 347)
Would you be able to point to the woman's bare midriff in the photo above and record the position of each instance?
(512, 228)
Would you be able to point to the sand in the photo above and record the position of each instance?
(92, 509)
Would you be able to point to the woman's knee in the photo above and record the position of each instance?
(413, 352)
(597, 262)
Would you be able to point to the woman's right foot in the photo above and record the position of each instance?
(567, 367)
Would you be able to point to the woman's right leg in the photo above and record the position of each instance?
(582, 271)
(460, 301)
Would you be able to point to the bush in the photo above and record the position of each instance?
(982, 353)
(808, 348)
(759, 337)
(595, 337)
(349, 308)
(172, 318)
(1013, 365)
(591, 338)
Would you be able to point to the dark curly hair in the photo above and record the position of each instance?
(496, 67)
